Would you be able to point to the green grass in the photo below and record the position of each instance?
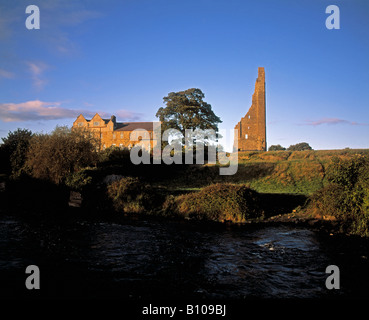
(285, 172)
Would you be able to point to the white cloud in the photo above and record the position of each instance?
(332, 121)
(33, 110)
(36, 110)
(126, 115)
(37, 68)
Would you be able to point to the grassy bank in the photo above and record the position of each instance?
(285, 172)
(266, 185)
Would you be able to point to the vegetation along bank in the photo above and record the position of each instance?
(39, 172)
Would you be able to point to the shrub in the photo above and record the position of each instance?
(114, 155)
(347, 172)
(78, 181)
(347, 195)
(221, 202)
(170, 206)
(130, 195)
(55, 156)
(13, 151)
(330, 201)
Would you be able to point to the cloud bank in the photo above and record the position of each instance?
(41, 110)
(332, 121)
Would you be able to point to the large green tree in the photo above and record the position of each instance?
(187, 110)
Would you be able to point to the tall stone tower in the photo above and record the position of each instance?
(250, 132)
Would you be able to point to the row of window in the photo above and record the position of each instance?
(95, 124)
(133, 135)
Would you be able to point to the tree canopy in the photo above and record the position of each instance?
(13, 150)
(187, 110)
(54, 156)
(277, 147)
(300, 147)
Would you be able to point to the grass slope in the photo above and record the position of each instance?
(293, 172)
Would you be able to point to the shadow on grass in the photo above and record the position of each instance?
(277, 203)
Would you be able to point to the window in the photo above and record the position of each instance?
(121, 135)
(121, 145)
(249, 116)
(113, 135)
(80, 124)
(96, 123)
(246, 136)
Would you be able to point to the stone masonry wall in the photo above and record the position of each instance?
(108, 136)
(250, 132)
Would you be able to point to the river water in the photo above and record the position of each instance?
(81, 258)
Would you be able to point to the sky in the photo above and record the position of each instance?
(123, 57)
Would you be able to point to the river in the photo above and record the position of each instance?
(80, 258)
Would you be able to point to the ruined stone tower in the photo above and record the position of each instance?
(250, 132)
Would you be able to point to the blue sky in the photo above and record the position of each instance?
(123, 57)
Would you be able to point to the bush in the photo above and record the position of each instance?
(13, 151)
(347, 172)
(78, 181)
(347, 195)
(221, 202)
(114, 155)
(330, 201)
(55, 156)
(130, 195)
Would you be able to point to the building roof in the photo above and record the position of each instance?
(127, 126)
(130, 126)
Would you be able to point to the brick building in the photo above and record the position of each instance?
(109, 132)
